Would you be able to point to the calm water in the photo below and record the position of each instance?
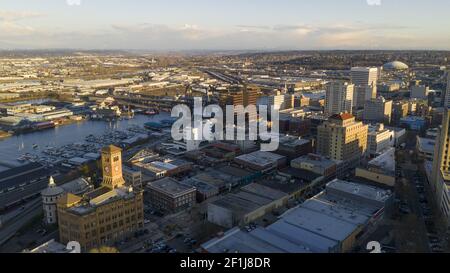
(13, 147)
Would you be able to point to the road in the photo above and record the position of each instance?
(14, 225)
(410, 229)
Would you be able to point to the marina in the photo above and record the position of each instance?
(78, 140)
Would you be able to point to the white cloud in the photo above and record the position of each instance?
(15, 34)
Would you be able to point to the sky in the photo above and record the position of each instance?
(225, 24)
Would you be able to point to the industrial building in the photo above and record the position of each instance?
(250, 203)
(331, 222)
(20, 183)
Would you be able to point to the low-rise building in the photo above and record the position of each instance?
(413, 123)
(132, 177)
(379, 139)
(425, 148)
(204, 189)
(292, 147)
(317, 164)
(335, 220)
(261, 161)
(52, 247)
(381, 169)
(250, 203)
(165, 167)
(169, 195)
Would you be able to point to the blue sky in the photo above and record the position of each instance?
(225, 24)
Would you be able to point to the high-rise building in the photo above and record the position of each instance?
(378, 110)
(447, 92)
(339, 98)
(362, 94)
(440, 176)
(400, 110)
(240, 95)
(104, 215)
(364, 76)
(342, 138)
(419, 92)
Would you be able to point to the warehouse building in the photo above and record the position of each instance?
(331, 222)
(250, 203)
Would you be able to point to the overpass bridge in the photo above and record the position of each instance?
(151, 102)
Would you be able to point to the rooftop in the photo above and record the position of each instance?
(111, 149)
(385, 161)
(170, 186)
(319, 225)
(344, 116)
(426, 144)
(260, 158)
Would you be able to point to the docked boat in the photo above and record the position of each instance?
(151, 112)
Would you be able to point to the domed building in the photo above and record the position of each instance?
(50, 197)
(395, 66)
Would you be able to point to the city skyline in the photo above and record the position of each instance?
(224, 25)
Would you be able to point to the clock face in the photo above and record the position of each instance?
(116, 168)
(106, 169)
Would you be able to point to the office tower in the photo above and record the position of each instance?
(364, 76)
(378, 110)
(239, 95)
(419, 92)
(447, 92)
(440, 176)
(105, 215)
(399, 110)
(362, 94)
(251, 94)
(339, 98)
(278, 101)
(342, 138)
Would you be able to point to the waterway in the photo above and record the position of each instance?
(13, 147)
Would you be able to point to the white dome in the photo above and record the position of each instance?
(52, 189)
(395, 66)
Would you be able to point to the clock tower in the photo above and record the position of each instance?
(112, 167)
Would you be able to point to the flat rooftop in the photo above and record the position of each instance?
(260, 158)
(318, 225)
(363, 192)
(259, 241)
(170, 186)
(426, 144)
(15, 177)
(385, 161)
